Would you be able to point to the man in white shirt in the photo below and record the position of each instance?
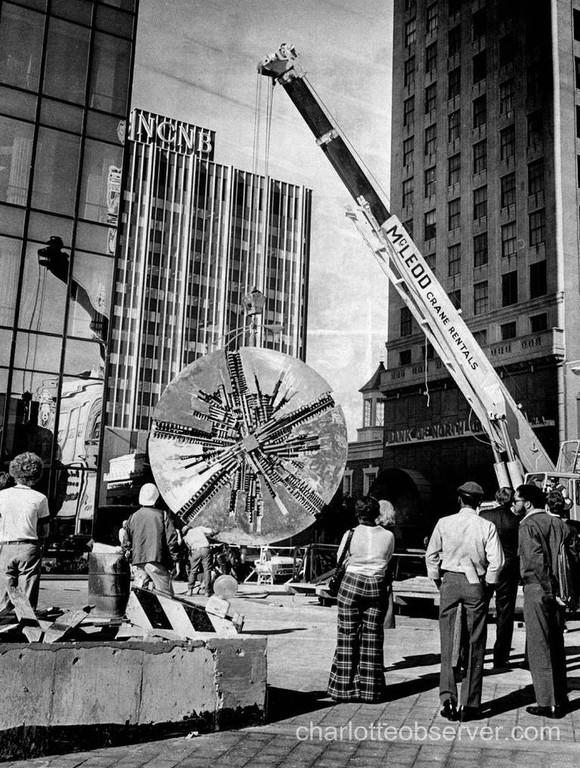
(464, 558)
(196, 540)
(24, 522)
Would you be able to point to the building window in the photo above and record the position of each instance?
(538, 280)
(480, 298)
(347, 483)
(479, 203)
(409, 111)
(453, 214)
(380, 413)
(431, 259)
(409, 73)
(508, 190)
(454, 7)
(367, 413)
(480, 111)
(455, 298)
(431, 58)
(480, 156)
(535, 129)
(409, 226)
(537, 227)
(576, 25)
(534, 75)
(453, 170)
(509, 288)
(408, 149)
(478, 24)
(454, 126)
(454, 41)
(454, 83)
(536, 177)
(509, 240)
(430, 181)
(506, 50)
(410, 32)
(430, 98)
(479, 67)
(508, 331)
(369, 477)
(407, 192)
(507, 143)
(480, 337)
(430, 139)
(506, 97)
(454, 260)
(430, 225)
(538, 323)
(405, 322)
(577, 70)
(405, 357)
(480, 250)
(432, 12)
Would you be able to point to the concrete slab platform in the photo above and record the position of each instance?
(106, 692)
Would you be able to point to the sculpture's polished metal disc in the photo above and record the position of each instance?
(250, 443)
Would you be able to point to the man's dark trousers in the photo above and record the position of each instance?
(544, 620)
(505, 605)
(456, 590)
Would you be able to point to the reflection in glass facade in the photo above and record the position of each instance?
(196, 238)
(64, 89)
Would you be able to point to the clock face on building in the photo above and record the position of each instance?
(250, 443)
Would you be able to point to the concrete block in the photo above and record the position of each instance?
(117, 692)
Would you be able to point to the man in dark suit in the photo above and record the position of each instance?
(507, 524)
(540, 537)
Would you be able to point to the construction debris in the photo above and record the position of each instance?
(149, 615)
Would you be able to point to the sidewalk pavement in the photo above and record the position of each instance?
(306, 729)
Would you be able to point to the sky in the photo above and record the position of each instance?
(196, 60)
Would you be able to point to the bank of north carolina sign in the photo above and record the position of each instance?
(171, 135)
(443, 430)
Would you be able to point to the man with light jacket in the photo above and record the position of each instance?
(464, 558)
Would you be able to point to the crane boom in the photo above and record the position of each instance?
(515, 445)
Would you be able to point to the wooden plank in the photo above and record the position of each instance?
(29, 624)
(177, 615)
(136, 613)
(222, 627)
(63, 625)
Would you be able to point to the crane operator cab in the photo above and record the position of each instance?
(565, 478)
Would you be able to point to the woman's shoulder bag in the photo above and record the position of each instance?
(339, 571)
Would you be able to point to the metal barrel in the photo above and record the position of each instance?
(109, 584)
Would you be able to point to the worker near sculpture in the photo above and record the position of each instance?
(24, 523)
(507, 524)
(464, 558)
(153, 543)
(197, 543)
(540, 536)
(357, 672)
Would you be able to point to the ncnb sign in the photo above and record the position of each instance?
(170, 134)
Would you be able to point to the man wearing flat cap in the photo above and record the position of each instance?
(152, 539)
(464, 558)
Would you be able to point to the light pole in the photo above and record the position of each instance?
(253, 304)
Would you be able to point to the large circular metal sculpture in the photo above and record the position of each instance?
(250, 443)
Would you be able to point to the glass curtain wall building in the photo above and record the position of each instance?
(65, 78)
(197, 238)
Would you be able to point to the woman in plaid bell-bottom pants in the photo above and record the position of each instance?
(357, 669)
